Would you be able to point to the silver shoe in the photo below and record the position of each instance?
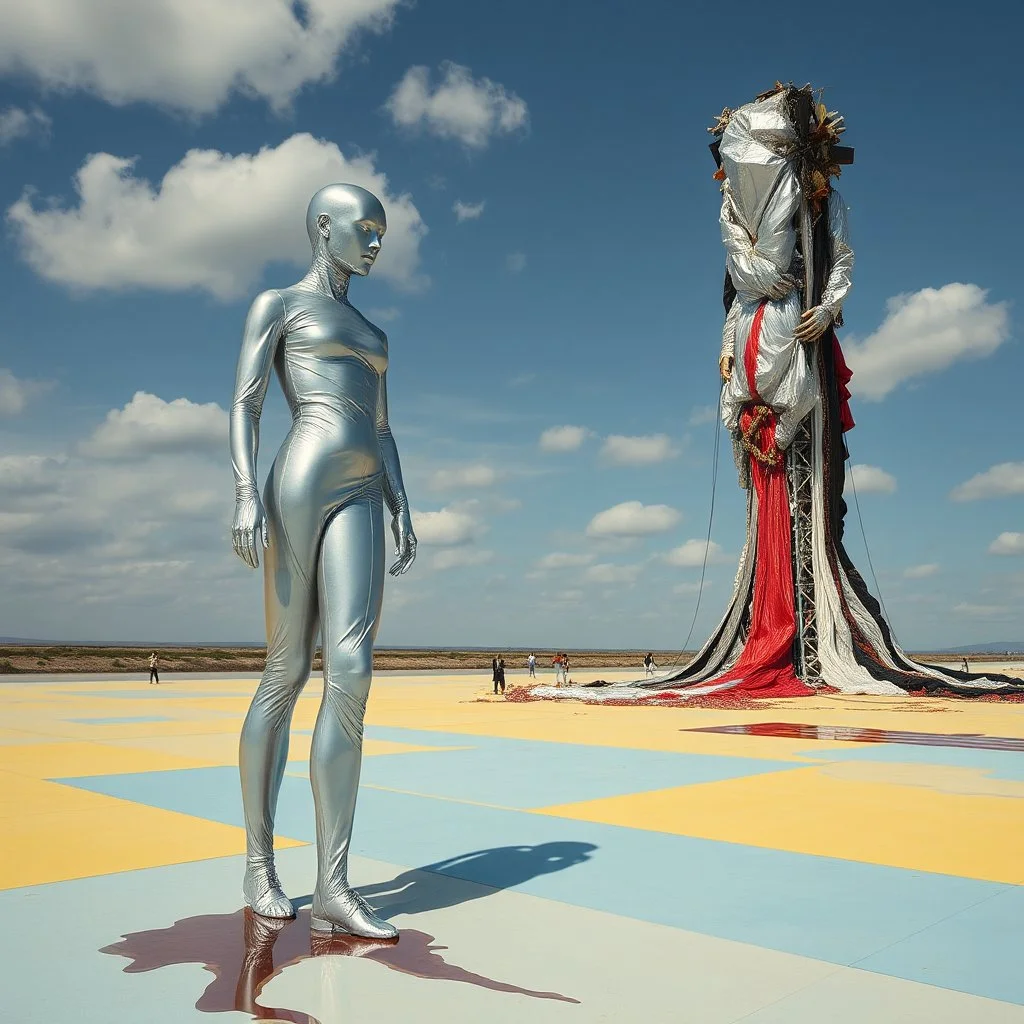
(262, 890)
(349, 914)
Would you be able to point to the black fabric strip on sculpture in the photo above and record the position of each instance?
(908, 676)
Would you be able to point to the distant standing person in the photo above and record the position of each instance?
(966, 667)
(565, 667)
(559, 669)
(648, 661)
(494, 672)
(531, 664)
(501, 676)
(154, 667)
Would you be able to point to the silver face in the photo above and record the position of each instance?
(348, 223)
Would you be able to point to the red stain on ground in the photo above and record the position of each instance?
(244, 951)
(850, 734)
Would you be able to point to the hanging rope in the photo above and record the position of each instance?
(707, 540)
(867, 550)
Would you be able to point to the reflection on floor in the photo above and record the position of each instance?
(543, 862)
(834, 733)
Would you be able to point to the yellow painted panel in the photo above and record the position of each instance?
(73, 760)
(106, 835)
(813, 811)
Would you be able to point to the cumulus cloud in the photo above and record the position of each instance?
(563, 439)
(460, 558)
(690, 554)
(17, 123)
(606, 572)
(148, 424)
(515, 262)
(637, 451)
(986, 611)
(1007, 544)
(213, 222)
(449, 527)
(871, 480)
(106, 548)
(455, 478)
(189, 55)
(563, 560)
(926, 332)
(468, 211)
(701, 415)
(1000, 481)
(383, 314)
(920, 572)
(470, 110)
(632, 519)
(16, 392)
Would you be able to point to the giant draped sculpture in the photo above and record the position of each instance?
(800, 614)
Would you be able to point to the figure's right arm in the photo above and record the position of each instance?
(263, 327)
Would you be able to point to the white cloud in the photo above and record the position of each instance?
(189, 55)
(690, 589)
(563, 560)
(449, 527)
(998, 482)
(460, 558)
(564, 439)
(1007, 544)
(471, 110)
(926, 332)
(632, 519)
(16, 123)
(468, 211)
(383, 314)
(637, 451)
(605, 572)
(16, 392)
(515, 262)
(986, 611)
(455, 478)
(213, 223)
(870, 480)
(702, 415)
(690, 554)
(920, 572)
(148, 424)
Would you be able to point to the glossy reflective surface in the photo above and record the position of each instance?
(794, 730)
(244, 951)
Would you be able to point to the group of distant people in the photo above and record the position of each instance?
(560, 662)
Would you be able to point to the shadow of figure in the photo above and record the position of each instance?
(442, 884)
(244, 951)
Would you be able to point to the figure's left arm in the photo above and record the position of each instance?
(829, 310)
(394, 489)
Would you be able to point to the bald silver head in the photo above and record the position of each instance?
(346, 224)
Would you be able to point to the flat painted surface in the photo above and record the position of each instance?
(543, 861)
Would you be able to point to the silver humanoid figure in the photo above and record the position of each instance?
(321, 526)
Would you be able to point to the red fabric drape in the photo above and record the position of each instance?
(765, 668)
(843, 377)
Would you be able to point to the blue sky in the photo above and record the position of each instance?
(553, 261)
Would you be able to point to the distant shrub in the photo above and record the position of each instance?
(6, 665)
(118, 663)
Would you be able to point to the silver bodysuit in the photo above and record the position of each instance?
(324, 561)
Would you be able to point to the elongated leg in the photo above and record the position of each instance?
(292, 620)
(351, 587)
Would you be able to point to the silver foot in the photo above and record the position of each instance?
(349, 914)
(262, 890)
